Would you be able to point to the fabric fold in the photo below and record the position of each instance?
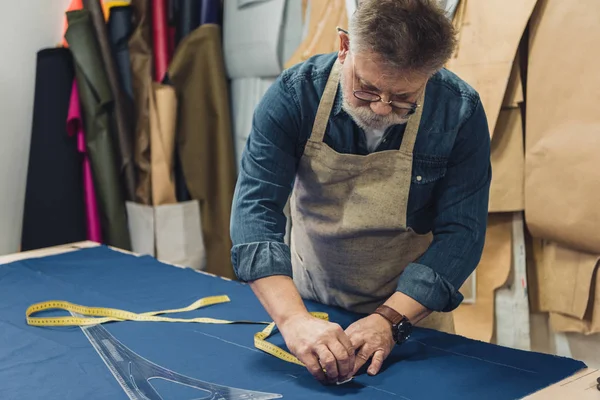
(119, 30)
(122, 111)
(204, 140)
(140, 53)
(96, 101)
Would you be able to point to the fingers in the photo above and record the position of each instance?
(345, 360)
(376, 362)
(328, 361)
(312, 364)
(361, 358)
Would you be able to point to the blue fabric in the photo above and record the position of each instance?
(59, 362)
(448, 194)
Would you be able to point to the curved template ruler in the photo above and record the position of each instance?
(134, 372)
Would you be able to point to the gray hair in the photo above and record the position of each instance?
(409, 35)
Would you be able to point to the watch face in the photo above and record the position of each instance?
(403, 331)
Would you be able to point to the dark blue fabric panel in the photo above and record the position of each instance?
(60, 363)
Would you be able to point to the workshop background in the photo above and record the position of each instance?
(124, 123)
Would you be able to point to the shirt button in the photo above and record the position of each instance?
(419, 178)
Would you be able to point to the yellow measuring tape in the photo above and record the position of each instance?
(100, 315)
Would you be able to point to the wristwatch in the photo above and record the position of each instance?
(401, 326)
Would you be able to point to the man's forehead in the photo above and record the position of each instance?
(371, 71)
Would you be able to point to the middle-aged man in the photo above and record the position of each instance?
(386, 156)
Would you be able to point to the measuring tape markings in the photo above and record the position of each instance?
(102, 315)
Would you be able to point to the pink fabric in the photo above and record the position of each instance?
(75, 127)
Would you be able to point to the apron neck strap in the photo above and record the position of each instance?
(326, 103)
(412, 127)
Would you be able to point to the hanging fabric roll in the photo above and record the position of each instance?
(119, 30)
(97, 101)
(204, 138)
(189, 18)
(163, 124)
(210, 12)
(75, 129)
(53, 210)
(140, 54)
(74, 5)
(122, 111)
(161, 39)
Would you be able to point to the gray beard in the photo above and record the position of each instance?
(365, 118)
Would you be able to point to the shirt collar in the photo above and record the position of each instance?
(337, 105)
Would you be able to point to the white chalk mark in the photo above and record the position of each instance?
(227, 341)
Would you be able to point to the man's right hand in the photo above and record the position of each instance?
(319, 345)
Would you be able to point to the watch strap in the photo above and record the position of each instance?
(390, 314)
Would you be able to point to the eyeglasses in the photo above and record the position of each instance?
(404, 108)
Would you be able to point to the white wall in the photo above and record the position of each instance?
(25, 27)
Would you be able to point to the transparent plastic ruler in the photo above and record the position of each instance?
(134, 372)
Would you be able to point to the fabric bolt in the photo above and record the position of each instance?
(163, 124)
(122, 110)
(108, 6)
(97, 102)
(119, 30)
(189, 18)
(160, 42)
(59, 362)
(172, 23)
(140, 53)
(210, 12)
(204, 138)
(54, 207)
(73, 6)
(75, 129)
(449, 183)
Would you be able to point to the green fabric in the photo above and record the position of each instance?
(122, 109)
(96, 102)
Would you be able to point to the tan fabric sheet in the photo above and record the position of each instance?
(476, 321)
(322, 37)
(508, 163)
(488, 39)
(562, 181)
(564, 283)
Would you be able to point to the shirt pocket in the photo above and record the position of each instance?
(427, 172)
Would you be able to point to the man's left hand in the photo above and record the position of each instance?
(372, 337)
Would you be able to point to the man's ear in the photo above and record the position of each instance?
(344, 45)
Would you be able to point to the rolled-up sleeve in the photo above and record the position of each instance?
(265, 179)
(460, 222)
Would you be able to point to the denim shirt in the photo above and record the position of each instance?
(448, 193)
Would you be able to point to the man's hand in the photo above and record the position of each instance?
(372, 337)
(319, 345)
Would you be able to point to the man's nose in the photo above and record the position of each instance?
(381, 108)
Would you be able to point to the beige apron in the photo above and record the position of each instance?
(349, 239)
